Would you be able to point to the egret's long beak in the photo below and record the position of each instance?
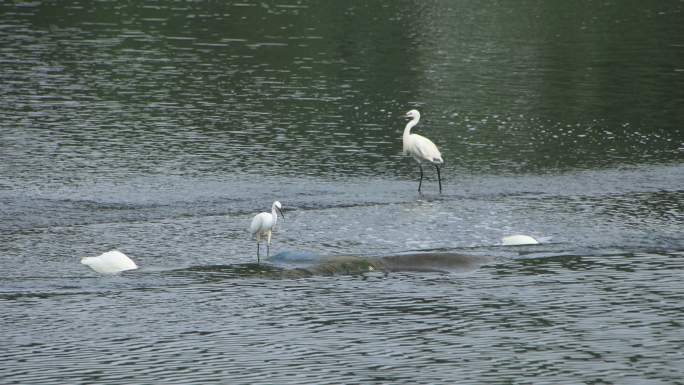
(281, 213)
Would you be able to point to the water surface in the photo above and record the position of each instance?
(160, 130)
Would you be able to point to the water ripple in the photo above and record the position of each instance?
(162, 128)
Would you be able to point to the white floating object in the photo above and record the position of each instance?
(111, 262)
(518, 239)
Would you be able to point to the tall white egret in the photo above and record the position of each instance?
(263, 224)
(421, 148)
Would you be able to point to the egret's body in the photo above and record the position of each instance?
(111, 262)
(422, 149)
(263, 225)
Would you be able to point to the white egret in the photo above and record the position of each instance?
(421, 148)
(518, 240)
(111, 262)
(263, 224)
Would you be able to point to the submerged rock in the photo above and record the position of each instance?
(419, 262)
(437, 262)
(300, 264)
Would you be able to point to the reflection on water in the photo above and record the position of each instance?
(110, 90)
(161, 129)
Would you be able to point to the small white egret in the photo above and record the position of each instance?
(263, 224)
(111, 262)
(518, 240)
(421, 148)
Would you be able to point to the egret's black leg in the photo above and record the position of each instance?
(439, 177)
(421, 177)
(258, 252)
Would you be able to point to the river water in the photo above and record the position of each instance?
(160, 129)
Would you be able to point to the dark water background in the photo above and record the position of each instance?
(161, 128)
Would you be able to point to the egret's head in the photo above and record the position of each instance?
(279, 207)
(413, 114)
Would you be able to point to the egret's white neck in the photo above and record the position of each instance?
(407, 132)
(275, 215)
(409, 126)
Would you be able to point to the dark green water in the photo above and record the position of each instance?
(160, 129)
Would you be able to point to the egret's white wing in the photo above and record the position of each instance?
(256, 224)
(261, 223)
(425, 149)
